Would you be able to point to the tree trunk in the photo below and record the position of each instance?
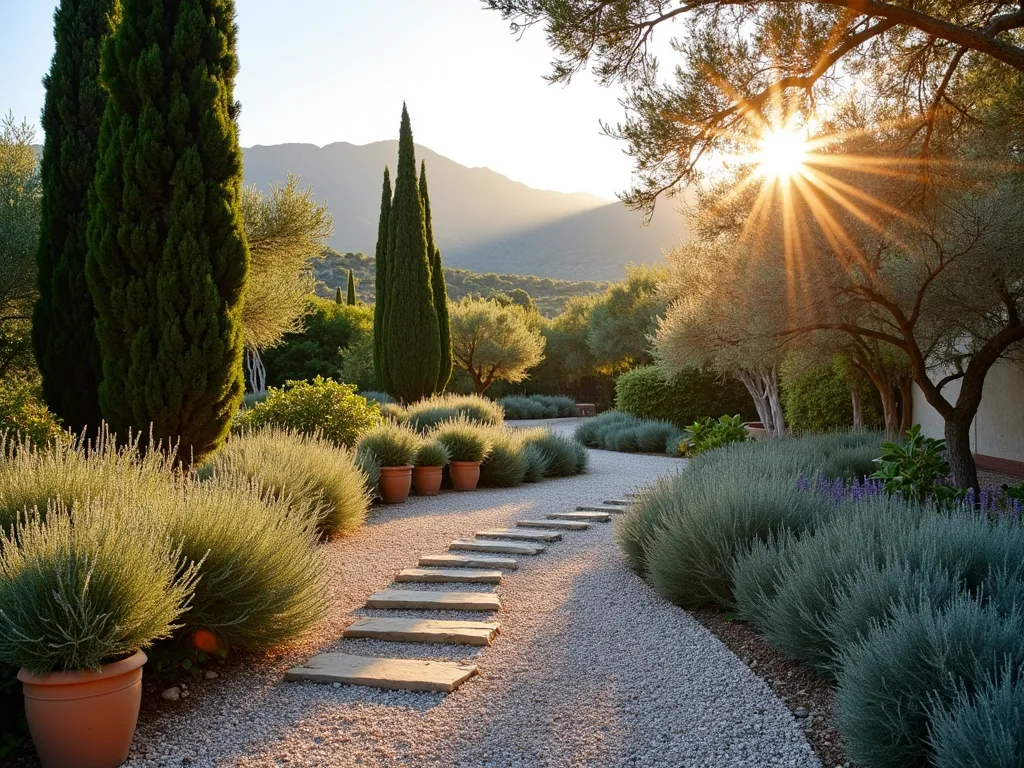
(256, 370)
(858, 411)
(907, 396)
(958, 450)
(771, 386)
(761, 405)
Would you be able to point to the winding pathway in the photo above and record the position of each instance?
(591, 667)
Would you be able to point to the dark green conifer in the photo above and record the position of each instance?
(380, 284)
(412, 347)
(62, 326)
(337, 295)
(167, 254)
(351, 289)
(438, 288)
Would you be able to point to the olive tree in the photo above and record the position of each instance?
(286, 230)
(491, 341)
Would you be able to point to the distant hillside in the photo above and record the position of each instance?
(483, 221)
(550, 295)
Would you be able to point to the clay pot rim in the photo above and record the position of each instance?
(401, 466)
(77, 676)
(454, 461)
(428, 466)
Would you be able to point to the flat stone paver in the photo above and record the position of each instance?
(424, 631)
(449, 576)
(512, 533)
(593, 517)
(396, 674)
(415, 600)
(501, 547)
(468, 561)
(562, 525)
(617, 502)
(596, 508)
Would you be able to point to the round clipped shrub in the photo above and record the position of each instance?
(892, 682)
(432, 453)
(391, 444)
(322, 406)
(818, 399)
(465, 440)
(655, 436)
(83, 589)
(624, 439)
(429, 412)
(506, 465)
(522, 407)
(591, 431)
(565, 407)
(302, 467)
(689, 396)
(984, 730)
(261, 574)
(536, 463)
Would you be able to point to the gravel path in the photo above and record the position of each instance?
(591, 668)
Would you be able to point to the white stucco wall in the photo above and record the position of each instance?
(998, 429)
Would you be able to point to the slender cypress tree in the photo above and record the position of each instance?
(351, 289)
(62, 326)
(438, 288)
(337, 295)
(380, 284)
(412, 346)
(167, 254)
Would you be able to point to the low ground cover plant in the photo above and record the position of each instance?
(322, 406)
(429, 412)
(538, 406)
(913, 608)
(618, 431)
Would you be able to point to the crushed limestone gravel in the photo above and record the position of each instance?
(590, 668)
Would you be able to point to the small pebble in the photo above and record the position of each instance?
(171, 694)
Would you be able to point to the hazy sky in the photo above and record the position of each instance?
(320, 71)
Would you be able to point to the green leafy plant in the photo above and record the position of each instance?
(24, 415)
(322, 406)
(714, 433)
(915, 468)
(391, 444)
(261, 573)
(81, 589)
(464, 439)
(681, 399)
(432, 453)
(305, 468)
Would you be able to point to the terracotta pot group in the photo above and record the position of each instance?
(84, 719)
(427, 480)
(395, 484)
(465, 475)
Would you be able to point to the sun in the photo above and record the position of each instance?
(782, 154)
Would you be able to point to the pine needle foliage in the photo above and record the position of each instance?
(411, 341)
(380, 285)
(167, 259)
(65, 342)
(438, 288)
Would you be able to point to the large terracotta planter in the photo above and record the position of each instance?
(427, 480)
(395, 484)
(465, 475)
(84, 719)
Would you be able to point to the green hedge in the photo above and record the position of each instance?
(685, 398)
(818, 399)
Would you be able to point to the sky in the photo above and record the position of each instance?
(321, 71)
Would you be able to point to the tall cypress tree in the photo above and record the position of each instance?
(62, 325)
(380, 284)
(337, 295)
(438, 288)
(351, 289)
(412, 346)
(167, 253)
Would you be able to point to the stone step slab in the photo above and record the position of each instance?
(468, 561)
(617, 502)
(499, 547)
(449, 576)
(595, 508)
(424, 631)
(512, 533)
(415, 600)
(562, 525)
(593, 517)
(395, 674)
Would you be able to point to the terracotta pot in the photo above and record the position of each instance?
(465, 475)
(84, 719)
(395, 484)
(427, 480)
